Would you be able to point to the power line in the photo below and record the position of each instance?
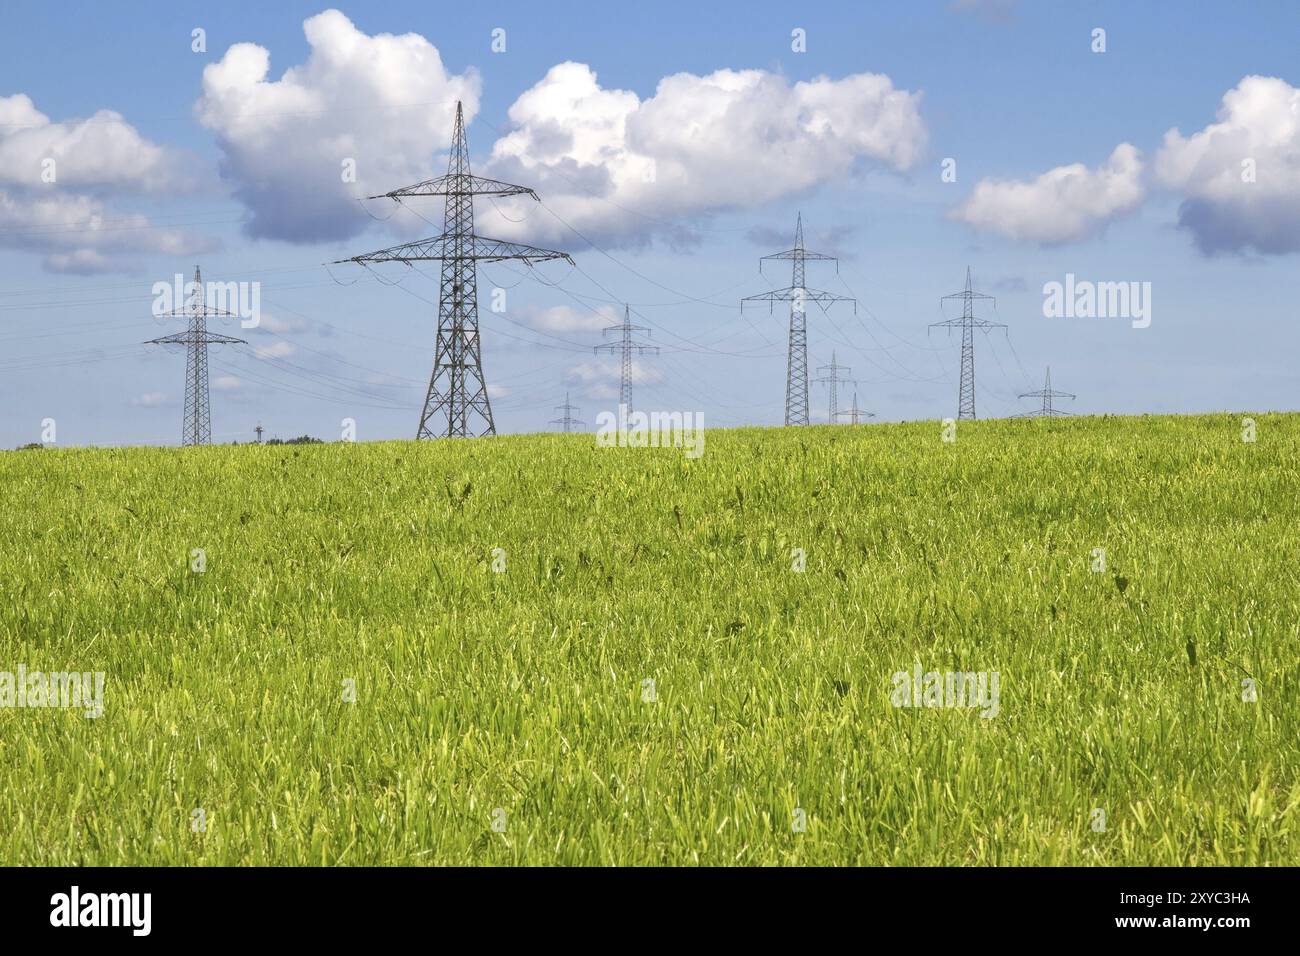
(832, 380)
(457, 389)
(798, 295)
(1046, 393)
(967, 323)
(567, 421)
(197, 424)
(855, 414)
(626, 346)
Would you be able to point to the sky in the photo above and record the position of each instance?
(671, 145)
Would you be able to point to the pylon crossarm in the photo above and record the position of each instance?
(458, 247)
(959, 322)
(187, 338)
(799, 254)
(969, 295)
(613, 347)
(189, 314)
(458, 184)
(791, 294)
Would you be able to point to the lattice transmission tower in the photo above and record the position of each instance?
(968, 323)
(197, 426)
(567, 421)
(456, 404)
(798, 295)
(626, 347)
(833, 379)
(854, 413)
(1046, 394)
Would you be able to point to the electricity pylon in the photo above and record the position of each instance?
(856, 414)
(457, 389)
(567, 421)
(968, 323)
(798, 295)
(832, 379)
(626, 346)
(197, 426)
(1046, 394)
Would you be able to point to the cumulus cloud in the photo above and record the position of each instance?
(383, 105)
(150, 400)
(600, 379)
(103, 152)
(227, 383)
(276, 350)
(282, 325)
(1065, 204)
(564, 318)
(80, 235)
(56, 178)
(701, 144)
(1240, 176)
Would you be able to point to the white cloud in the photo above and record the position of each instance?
(276, 350)
(1065, 204)
(150, 400)
(601, 379)
(1258, 120)
(564, 318)
(79, 234)
(104, 152)
(227, 383)
(280, 325)
(385, 102)
(55, 178)
(732, 139)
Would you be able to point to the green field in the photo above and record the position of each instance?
(523, 694)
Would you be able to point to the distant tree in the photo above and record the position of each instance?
(300, 440)
(30, 446)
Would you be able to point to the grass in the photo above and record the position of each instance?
(524, 690)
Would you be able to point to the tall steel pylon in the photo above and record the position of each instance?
(855, 414)
(1046, 394)
(968, 323)
(833, 379)
(197, 426)
(626, 346)
(567, 421)
(798, 295)
(458, 392)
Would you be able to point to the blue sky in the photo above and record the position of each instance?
(207, 171)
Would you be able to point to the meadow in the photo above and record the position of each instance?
(530, 650)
